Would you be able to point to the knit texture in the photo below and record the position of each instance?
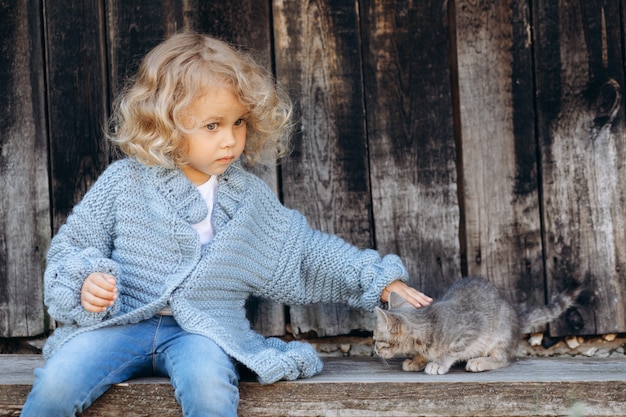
(135, 223)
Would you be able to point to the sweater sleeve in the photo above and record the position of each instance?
(319, 267)
(82, 246)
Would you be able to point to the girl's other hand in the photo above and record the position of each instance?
(411, 295)
(99, 291)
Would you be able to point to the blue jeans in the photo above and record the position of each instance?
(204, 377)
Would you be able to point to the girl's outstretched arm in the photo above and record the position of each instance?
(317, 267)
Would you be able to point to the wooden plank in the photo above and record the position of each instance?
(583, 154)
(368, 386)
(77, 100)
(326, 176)
(24, 201)
(410, 137)
(498, 146)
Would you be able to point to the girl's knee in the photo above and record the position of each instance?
(213, 390)
(209, 396)
(50, 397)
(205, 378)
(50, 386)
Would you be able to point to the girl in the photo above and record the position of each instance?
(151, 272)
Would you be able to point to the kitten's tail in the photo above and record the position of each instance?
(553, 310)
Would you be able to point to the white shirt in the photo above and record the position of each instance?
(205, 227)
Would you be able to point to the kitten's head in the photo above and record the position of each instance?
(398, 331)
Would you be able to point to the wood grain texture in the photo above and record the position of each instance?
(326, 176)
(77, 100)
(498, 146)
(24, 199)
(410, 137)
(581, 131)
(135, 27)
(367, 386)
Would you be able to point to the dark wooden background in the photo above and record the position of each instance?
(467, 136)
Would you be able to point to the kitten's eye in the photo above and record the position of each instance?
(211, 126)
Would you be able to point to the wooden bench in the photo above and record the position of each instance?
(369, 387)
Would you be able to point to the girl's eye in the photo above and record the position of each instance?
(240, 122)
(211, 126)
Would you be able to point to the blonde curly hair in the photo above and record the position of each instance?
(146, 121)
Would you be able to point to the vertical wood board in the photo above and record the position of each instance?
(410, 137)
(24, 200)
(77, 100)
(499, 151)
(135, 27)
(326, 176)
(581, 127)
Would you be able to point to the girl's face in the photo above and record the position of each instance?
(218, 137)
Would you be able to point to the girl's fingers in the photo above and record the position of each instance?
(99, 291)
(94, 305)
(418, 299)
(414, 297)
(104, 281)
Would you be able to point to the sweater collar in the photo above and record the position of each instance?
(180, 193)
(230, 193)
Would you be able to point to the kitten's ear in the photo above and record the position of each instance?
(396, 301)
(382, 315)
(388, 320)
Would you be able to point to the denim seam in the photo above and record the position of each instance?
(154, 344)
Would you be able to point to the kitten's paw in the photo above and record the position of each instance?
(483, 364)
(434, 368)
(414, 365)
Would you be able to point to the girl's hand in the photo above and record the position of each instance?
(410, 294)
(99, 291)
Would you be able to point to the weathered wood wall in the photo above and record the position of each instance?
(467, 136)
(24, 194)
(580, 124)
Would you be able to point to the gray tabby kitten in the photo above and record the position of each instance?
(472, 322)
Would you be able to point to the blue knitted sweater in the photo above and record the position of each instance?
(135, 223)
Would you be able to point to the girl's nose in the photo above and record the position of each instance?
(228, 140)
